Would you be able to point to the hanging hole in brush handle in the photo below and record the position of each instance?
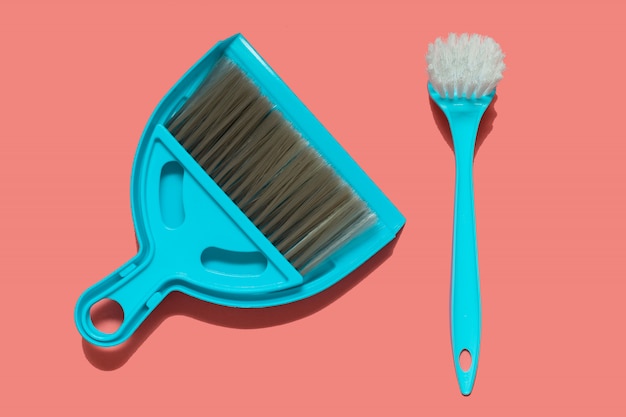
(465, 360)
(466, 366)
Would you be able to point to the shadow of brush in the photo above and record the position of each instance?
(485, 127)
(179, 304)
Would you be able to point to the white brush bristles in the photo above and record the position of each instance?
(464, 66)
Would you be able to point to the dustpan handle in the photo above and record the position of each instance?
(136, 286)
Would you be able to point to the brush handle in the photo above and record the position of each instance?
(465, 309)
(464, 116)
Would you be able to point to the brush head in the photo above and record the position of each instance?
(262, 163)
(467, 66)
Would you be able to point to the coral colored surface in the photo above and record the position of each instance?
(78, 81)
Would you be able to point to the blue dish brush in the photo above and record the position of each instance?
(463, 73)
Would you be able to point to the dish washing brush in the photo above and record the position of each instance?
(463, 73)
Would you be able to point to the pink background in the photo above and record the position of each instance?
(78, 81)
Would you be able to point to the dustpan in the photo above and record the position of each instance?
(192, 238)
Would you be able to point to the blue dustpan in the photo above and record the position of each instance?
(193, 239)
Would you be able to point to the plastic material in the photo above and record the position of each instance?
(465, 311)
(194, 239)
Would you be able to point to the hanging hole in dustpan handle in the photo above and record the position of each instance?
(106, 315)
(109, 312)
